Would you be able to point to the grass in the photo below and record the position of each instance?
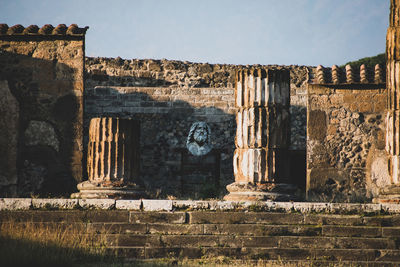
(61, 244)
(49, 244)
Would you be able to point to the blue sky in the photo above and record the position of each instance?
(300, 32)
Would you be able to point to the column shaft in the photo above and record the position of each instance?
(262, 136)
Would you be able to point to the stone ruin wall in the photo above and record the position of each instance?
(41, 111)
(346, 136)
(167, 97)
(42, 78)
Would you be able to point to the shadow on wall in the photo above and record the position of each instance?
(39, 141)
(165, 123)
(165, 126)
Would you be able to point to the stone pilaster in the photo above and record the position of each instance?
(392, 192)
(113, 160)
(260, 160)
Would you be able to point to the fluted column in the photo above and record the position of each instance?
(393, 88)
(260, 160)
(113, 160)
(392, 193)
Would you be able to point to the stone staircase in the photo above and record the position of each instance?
(299, 237)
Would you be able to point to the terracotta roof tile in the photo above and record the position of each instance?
(3, 28)
(348, 75)
(47, 29)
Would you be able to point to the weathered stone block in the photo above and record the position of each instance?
(391, 231)
(117, 228)
(259, 165)
(175, 229)
(41, 133)
(262, 87)
(316, 124)
(125, 204)
(189, 241)
(41, 203)
(306, 242)
(246, 218)
(127, 252)
(365, 243)
(190, 204)
(262, 127)
(261, 230)
(333, 219)
(157, 205)
(15, 203)
(9, 110)
(97, 203)
(189, 253)
(160, 217)
(345, 254)
(43, 216)
(127, 240)
(362, 231)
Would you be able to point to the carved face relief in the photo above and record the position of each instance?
(199, 139)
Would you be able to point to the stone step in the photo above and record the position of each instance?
(198, 217)
(257, 253)
(66, 216)
(220, 229)
(222, 261)
(207, 229)
(127, 240)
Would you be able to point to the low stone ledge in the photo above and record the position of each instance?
(15, 203)
(190, 204)
(104, 204)
(157, 205)
(207, 205)
(57, 203)
(125, 204)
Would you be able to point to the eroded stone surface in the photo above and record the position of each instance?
(113, 160)
(46, 76)
(345, 130)
(157, 205)
(261, 158)
(43, 203)
(125, 204)
(41, 133)
(15, 203)
(9, 123)
(97, 203)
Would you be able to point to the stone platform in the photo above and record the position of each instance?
(299, 233)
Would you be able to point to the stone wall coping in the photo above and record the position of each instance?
(347, 75)
(47, 29)
(210, 205)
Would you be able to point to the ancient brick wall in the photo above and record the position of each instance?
(167, 97)
(43, 73)
(345, 127)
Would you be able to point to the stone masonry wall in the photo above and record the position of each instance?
(274, 233)
(42, 70)
(167, 97)
(345, 128)
(169, 73)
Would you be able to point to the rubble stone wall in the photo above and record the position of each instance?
(185, 75)
(345, 127)
(43, 73)
(167, 97)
